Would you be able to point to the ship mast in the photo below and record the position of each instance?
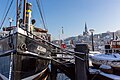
(16, 13)
(24, 13)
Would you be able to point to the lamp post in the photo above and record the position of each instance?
(92, 30)
(11, 20)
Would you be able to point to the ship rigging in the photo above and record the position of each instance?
(23, 47)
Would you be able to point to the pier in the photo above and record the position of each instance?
(77, 67)
(73, 64)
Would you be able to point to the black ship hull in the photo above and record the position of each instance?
(23, 58)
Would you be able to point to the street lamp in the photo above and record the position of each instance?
(92, 30)
(10, 20)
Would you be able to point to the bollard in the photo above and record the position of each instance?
(53, 74)
(81, 65)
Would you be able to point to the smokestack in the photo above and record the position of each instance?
(24, 13)
(28, 15)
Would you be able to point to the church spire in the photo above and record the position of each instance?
(86, 27)
(86, 31)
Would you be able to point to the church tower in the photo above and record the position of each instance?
(85, 33)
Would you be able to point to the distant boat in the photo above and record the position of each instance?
(24, 49)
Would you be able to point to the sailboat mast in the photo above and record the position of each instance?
(24, 13)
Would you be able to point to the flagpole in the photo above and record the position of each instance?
(62, 34)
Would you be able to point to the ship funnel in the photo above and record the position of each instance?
(28, 15)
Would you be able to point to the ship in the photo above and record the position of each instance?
(24, 48)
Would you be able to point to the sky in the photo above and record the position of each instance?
(100, 15)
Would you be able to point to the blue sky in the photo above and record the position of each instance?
(101, 15)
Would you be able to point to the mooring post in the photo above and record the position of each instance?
(53, 71)
(81, 62)
(53, 67)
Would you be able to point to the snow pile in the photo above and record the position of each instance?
(108, 57)
(94, 52)
(112, 59)
(105, 67)
(111, 76)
